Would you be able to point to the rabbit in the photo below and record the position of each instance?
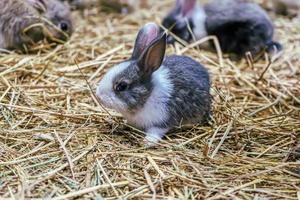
(240, 26)
(59, 14)
(156, 93)
(290, 8)
(20, 22)
(15, 16)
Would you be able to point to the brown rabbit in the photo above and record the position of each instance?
(59, 14)
(24, 22)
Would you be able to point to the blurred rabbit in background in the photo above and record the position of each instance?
(25, 22)
(240, 26)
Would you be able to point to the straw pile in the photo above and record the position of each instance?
(57, 142)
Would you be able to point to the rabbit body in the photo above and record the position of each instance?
(239, 26)
(156, 93)
(178, 93)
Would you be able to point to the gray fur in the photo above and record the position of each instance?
(16, 15)
(239, 26)
(190, 101)
(140, 87)
(224, 11)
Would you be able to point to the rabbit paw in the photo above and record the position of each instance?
(154, 135)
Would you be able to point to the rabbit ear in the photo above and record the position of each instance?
(39, 5)
(153, 55)
(185, 6)
(145, 36)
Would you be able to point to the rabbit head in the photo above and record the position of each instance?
(127, 86)
(59, 25)
(186, 19)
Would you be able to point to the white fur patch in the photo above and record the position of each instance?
(155, 108)
(154, 135)
(199, 18)
(105, 91)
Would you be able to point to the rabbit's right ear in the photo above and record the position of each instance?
(39, 5)
(146, 35)
(185, 6)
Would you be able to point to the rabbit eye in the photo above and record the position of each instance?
(63, 26)
(121, 86)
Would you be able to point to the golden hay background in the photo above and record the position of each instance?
(56, 142)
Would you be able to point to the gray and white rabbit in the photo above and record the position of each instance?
(156, 93)
(21, 22)
(240, 26)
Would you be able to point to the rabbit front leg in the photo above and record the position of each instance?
(154, 135)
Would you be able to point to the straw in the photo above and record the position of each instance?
(57, 142)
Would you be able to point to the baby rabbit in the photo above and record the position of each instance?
(154, 92)
(21, 22)
(60, 15)
(239, 26)
(15, 16)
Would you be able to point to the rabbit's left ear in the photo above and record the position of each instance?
(145, 36)
(185, 6)
(153, 55)
(39, 5)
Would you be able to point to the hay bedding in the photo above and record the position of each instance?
(56, 142)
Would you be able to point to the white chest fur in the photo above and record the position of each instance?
(155, 109)
(199, 18)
